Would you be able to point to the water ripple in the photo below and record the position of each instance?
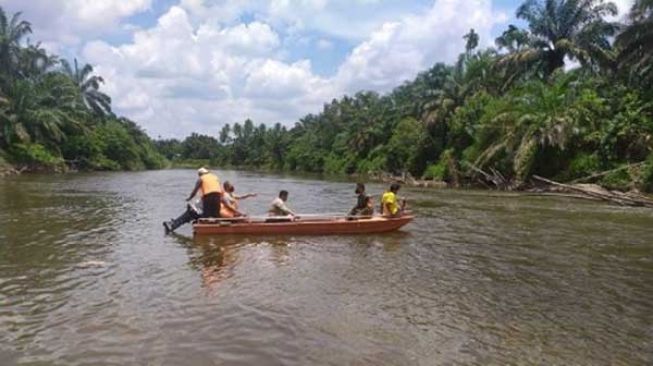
(86, 277)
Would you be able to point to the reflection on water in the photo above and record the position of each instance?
(87, 277)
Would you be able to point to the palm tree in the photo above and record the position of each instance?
(89, 87)
(12, 32)
(41, 112)
(472, 73)
(34, 61)
(559, 29)
(536, 116)
(365, 125)
(225, 134)
(635, 43)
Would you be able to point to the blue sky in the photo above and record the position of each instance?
(179, 66)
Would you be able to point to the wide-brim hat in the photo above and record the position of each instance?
(202, 170)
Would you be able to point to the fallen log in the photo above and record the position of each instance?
(495, 178)
(597, 192)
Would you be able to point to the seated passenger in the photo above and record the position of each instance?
(279, 208)
(364, 205)
(389, 203)
(229, 207)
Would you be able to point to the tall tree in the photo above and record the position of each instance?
(89, 87)
(39, 112)
(635, 43)
(225, 134)
(34, 61)
(559, 29)
(12, 32)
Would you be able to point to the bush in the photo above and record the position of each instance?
(619, 180)
(102, 163)
(339, 165)
(647, 175)
(119, 146)
(376, 164)
(151, 158)
(437, 171)
(4, 165)
(582, 165)
(35, 155)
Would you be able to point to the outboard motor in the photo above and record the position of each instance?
(192, 213)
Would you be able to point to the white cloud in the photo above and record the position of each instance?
(399, 50)
(178, 78)
(623, 6)
(344, 19)
(94, 13)
(200, 65)
(71, 21)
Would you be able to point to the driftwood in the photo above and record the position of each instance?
(407, 179)
(596, 192)
(495, 178)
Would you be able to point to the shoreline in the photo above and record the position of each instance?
(535, 186)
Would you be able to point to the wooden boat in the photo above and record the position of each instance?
(304, 226)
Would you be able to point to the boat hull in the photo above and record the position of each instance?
(303, 227)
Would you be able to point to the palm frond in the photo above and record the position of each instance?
(525, 157)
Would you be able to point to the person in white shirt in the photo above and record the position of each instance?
(279, 207)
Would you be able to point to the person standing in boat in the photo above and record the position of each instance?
(364, 205)
(279, 207)
(229, 207)
(209, 185)
(390, 207)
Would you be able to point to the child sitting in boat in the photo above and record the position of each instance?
(390, 203)
(229, 207)
(364, 205)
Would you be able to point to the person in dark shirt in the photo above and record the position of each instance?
(364, 206)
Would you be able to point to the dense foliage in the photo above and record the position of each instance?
(53, 115)
(514, 110)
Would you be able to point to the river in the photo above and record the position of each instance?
(87, 277)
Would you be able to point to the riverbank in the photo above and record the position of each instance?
(6, 168)
(10, 169)
(625, 193)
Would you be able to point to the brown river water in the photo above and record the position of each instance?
(87, 277)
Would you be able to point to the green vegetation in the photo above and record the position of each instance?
(53, 115)
(514, 110)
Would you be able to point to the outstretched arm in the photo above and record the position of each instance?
(197, 188)
(248, 195)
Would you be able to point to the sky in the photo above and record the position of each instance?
(182, 66)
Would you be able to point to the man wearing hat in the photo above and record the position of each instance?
(209, 184)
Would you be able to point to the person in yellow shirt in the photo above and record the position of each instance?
(209, 185)
(390, 206)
